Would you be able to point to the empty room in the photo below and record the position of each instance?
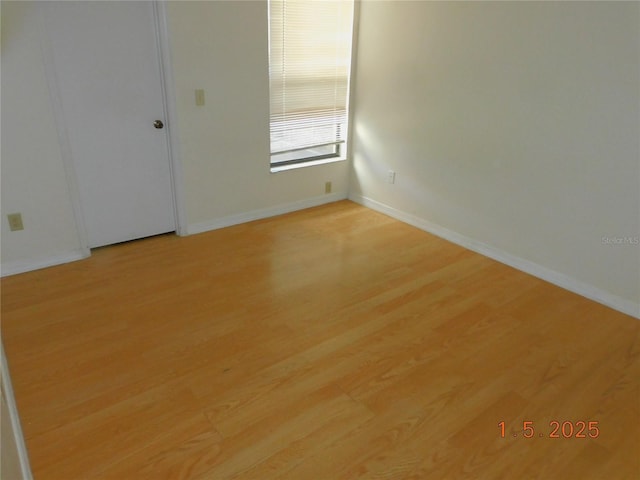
(320, 240)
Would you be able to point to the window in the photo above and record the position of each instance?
(309, 66)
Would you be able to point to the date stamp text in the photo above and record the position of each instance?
(556, 429)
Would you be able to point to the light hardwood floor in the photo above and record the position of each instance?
(332, 343)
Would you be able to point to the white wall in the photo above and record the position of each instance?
(33, 176)
(222, 47)
(513, 128)
(218, 46)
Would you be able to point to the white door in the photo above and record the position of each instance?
(107, 70)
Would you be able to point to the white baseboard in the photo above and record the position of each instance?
(564, 281)
(7, 389)
(21, 266)
(264, 213)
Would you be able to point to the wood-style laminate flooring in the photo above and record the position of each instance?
(331, 343)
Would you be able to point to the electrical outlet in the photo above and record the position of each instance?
(391, 177)
(15, 221)
(327, 187)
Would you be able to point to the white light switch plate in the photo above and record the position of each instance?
(199, 97)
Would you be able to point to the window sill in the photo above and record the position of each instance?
(311, 163)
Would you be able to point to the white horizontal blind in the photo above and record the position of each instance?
(310, 61)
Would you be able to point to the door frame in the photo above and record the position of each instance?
(171, 113)
(169, 106)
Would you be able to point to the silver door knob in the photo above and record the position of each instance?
(158, 124)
